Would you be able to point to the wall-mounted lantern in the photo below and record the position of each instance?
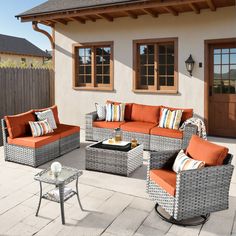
(189, 64)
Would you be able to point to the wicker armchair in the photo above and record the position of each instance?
(198, 192)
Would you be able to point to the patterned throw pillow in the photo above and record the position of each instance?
(183, 162)
(101, 111)
(47, 115)
(170, 119)
(115, 112)
(40, 128)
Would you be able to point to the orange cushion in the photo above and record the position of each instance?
(18, 125)
(66, 130)
(187, 112)
(32, 142)
(107, 125)
(138, 127)
(54, 110)
(166, 179)
(202, 150)
(128, 109)
(171, 133)
(145, 113)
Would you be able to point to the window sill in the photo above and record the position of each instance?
(110, 89)
(155, 91)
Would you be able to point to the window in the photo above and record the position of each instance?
(155, 65)
(93, 66)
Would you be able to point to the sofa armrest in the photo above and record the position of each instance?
(89, 118)
(188, 131)
(208, 186)
(4, 131)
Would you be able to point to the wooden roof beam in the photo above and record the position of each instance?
(211, 5)
(171, 10)
(49, 23)
(62, 21)
(91, 18)
(194, 8)
(106, 17)
(78, 19)
(131, 14)
(150, 12)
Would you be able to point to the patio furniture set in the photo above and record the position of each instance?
(188, 184)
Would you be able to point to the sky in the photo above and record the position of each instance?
(9, 24)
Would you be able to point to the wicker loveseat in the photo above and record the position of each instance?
(190, 195)
(141, 122)
(21, 147)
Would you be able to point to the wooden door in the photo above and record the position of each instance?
(222, 89)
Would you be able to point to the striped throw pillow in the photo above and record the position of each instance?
(40, 128)
(183, 162)
(170, 119)
(115, 112)
(47, 115)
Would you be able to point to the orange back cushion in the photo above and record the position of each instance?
(202, 150)
(145, 113)
(54, 110)
(18, 125)
(128, 109)
(187, 112)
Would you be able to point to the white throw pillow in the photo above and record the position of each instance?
(47, 115)
(101, 111)
(183, 162)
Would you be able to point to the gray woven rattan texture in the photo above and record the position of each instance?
(198, 192)
(113, 161)
(38, 156)
(150, 142)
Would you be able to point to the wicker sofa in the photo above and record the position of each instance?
(141, 122)
(21, 147)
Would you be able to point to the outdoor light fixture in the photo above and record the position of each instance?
(189, 64)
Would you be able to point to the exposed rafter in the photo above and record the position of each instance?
(62, 21)
(91, 18)
(211, 5)
(171, 10)
(131, 14)
(105, 16)
(78, 19)
(150, 12)
(194, 8)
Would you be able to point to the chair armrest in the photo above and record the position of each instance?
(4, 131)
(92, 115)
(89, 118)
(189, 130)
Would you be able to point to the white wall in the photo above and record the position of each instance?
(191, 30)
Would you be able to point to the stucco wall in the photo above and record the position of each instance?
(17, 59)
(191, 30)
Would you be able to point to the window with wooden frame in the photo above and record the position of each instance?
(155, 65)
(93, 66)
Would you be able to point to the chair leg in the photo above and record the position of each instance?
(188, 222)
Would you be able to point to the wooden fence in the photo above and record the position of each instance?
(24, 89)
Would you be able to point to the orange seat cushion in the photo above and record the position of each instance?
(107, 125)
(202, 150)
(128, 109)
(145, 113)
(187, 112)
(138, 127)
(170, 133)
(18, 125)
(34, 142)
(54, 110)
(66, 130)
(166, 179)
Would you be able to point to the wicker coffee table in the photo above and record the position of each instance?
(66, 176)
(99, 157)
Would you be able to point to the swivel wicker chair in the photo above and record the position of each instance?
(189, 197)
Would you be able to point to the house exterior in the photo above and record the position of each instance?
(135, 51)
(19, 51)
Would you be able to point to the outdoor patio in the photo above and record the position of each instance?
(114, 205)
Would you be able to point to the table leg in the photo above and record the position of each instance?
(40, 198)
(77, 193)
(61, 195)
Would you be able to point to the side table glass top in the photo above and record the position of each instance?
(66, 175)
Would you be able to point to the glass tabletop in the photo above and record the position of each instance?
(66, 174)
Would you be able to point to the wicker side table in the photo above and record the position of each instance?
(113, 161)
(66, 176)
